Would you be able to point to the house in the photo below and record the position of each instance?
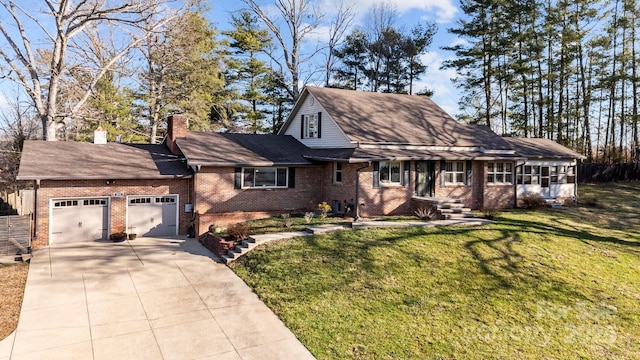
(366, 154)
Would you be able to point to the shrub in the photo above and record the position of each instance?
(532, 201)
(324, 208)
(308, 216)
(239, 231)
(426, 213)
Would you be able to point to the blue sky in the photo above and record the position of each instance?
(411, 12)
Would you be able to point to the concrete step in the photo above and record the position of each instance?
(455, 211)
(450, 206)
(457, 216)
(443, 201)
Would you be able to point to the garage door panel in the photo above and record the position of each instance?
(78, 220)
(152, 215)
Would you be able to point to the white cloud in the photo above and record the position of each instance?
(438, 80)
(443, 10)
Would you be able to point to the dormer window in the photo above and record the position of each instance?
(310, 126)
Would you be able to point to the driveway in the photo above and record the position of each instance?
(143, 299)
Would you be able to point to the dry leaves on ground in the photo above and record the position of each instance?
(12, 281)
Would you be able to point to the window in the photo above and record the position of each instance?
(454, 172)
(499, 173)
(390, 172)
(264, 177)
(89, 202)
(140, 201)
(310, 126)
(571, 174)
(337, 173)
(528, 175)
(65, 203)
(165, 200)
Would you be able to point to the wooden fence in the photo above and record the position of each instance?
(15, 234)
(589, 173)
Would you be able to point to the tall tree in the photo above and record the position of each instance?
(181, 71)
(63, 24)
(300, 18)
(247, 75)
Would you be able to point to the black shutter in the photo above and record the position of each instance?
(301, 126)
(407, 172)
(469, 162)
(292, 177)
(443, 166)
(237, 180)
(376, 174)
(319, 125)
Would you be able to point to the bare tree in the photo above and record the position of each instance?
(62, 25)
(337, 28)
(300, 19)
(17, 124)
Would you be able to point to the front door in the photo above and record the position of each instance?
(425, 176)
(545, 182)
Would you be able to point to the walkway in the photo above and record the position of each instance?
(143, 299)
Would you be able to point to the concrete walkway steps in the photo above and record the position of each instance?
(255, 240)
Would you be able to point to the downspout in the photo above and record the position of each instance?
(194, 214)
(35, 208)
(357, 218)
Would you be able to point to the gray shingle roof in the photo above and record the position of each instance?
(66, 160)
(537, 148)
(369, 117)
(224, 149)
(364, 155)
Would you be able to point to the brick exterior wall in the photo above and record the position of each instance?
(217, 202)
(56, 189)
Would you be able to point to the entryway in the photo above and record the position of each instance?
(425, 178)
(152, 215)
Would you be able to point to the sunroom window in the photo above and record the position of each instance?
(264, 177)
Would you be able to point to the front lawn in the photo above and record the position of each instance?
(561, 283)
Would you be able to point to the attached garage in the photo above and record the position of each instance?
(79, 219)
(152, 215)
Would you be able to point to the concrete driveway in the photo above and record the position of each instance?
(143, 299)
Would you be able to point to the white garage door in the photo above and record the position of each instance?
(76, 220)
(152, 215)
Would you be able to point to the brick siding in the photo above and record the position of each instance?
(50, 189)
(218, 202)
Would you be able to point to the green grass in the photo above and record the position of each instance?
(561, 283)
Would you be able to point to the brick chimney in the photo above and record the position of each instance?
(176, 128)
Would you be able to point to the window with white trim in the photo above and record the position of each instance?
(265, 177)
(528, 175)
(500, 173)
(310, 126)
(455, 173)
(337, 172)
(390, 173)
